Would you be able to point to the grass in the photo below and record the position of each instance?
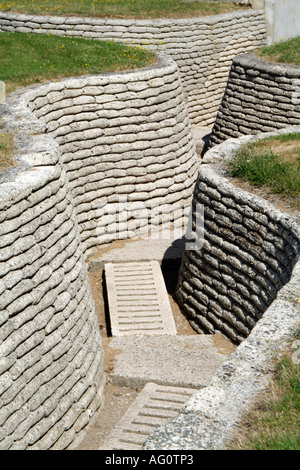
(6, 150)
(28, 58)
(273, 423)
(120, 8)
(33, 58)
(287, 52)
(274, 162)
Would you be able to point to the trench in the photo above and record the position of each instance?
(231, 332)
(73, 168)
(119, 398)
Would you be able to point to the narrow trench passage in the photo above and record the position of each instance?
(118, 398)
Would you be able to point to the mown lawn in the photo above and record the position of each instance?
(273, 423)
(33, 58)
(28, 59)
(287, 52)
(274, 162)
(120, 8)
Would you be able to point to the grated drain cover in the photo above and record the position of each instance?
(138, 300)
(154, 405)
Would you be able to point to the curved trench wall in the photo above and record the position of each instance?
(212, 417)
(51, 359)
(124, 139)
(248, 254)
(203, 48)
(81, 143)
(259, 97)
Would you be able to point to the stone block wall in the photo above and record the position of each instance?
(282, 18)
(202, 47)
(125, 139)
(259, 97)
(248, 254)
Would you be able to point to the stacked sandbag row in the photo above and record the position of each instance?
(260, 97)
(51, 360)
(246, 254)
(202, 47)
(127, 147)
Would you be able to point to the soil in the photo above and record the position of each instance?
(6, 150)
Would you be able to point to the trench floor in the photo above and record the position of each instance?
(123, 391)
(131, 363)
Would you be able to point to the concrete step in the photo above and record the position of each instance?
(138, 300)
(183, 361)
(166, 252)
(154, 405)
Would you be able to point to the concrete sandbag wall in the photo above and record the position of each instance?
(248, 254)
(203, 48)
(85, 143)
(260, 97)
(51, 359)
(81, 143)
(123, 137)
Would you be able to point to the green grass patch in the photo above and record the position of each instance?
(6, 150)
(287, 52)
(274, 421)
(120, 8)
(274, 162)
(33, 58)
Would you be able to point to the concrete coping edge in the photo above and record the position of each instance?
(210, 417)
(251, 61)
(121, 21)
